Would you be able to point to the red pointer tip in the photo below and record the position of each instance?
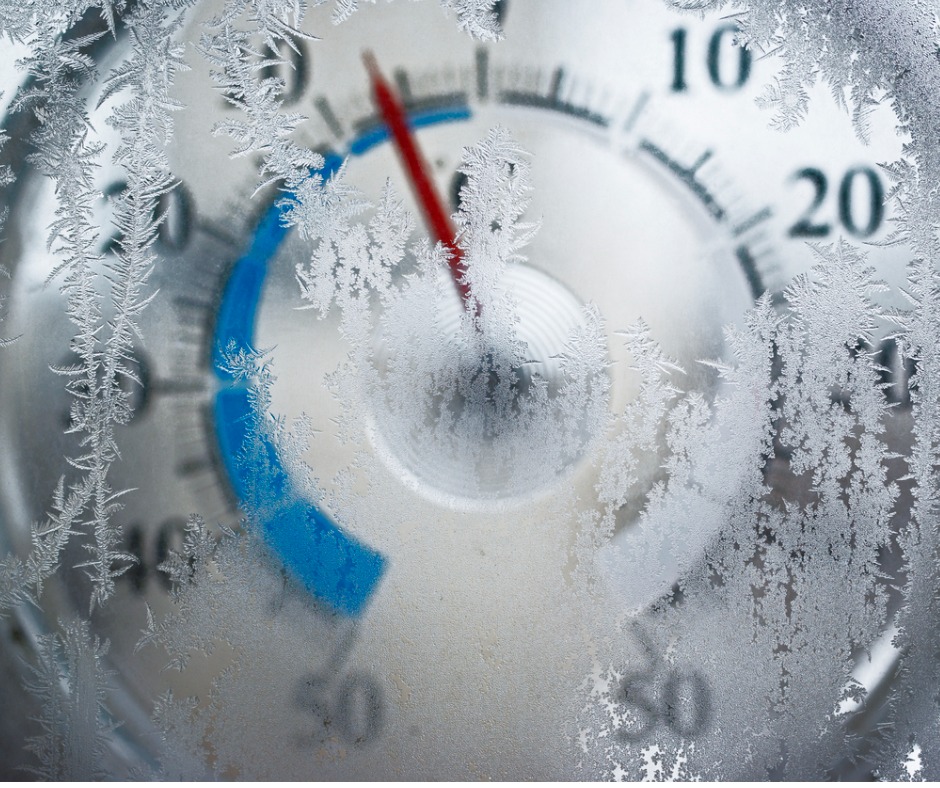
(439, 224)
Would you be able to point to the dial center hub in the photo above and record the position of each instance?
(467, 416)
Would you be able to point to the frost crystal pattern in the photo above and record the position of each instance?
(758, 533)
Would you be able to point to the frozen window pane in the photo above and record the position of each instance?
(471, 389)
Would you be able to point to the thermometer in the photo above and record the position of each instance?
(405, 609)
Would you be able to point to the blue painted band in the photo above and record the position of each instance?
(378, 134)
(333, 566)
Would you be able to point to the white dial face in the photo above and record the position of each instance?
(441, 600)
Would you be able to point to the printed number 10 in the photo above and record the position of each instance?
(722, 73)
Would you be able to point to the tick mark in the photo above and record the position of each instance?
(700, 162)
(552, 101)
(219, 234)
(403, 83)
(483, 73)
(188, 302)
(178, 386)
(554, 90)
(329, 117)
(194, 466)
(749, 266)
(687, 175)
(636, 111)
(749, 224)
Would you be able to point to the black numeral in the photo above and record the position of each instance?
(722, 74)
(293, 70)
(135, 387)
(682, 704)
(174, 207)
(856, 181)
(686, 703)
(499, 8)
(354, 707)
(151, 549)
(895, 373)
(359, 708)
(874, 205)
(642, 710)
(805, 227)
(291, 64)
(679, 36)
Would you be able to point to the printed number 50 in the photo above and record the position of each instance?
(683, 704)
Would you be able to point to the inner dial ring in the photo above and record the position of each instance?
(631, 201)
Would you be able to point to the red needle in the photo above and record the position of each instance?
(438, 221)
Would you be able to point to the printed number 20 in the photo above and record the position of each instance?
(807, 226)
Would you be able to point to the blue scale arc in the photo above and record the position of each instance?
(334, 567)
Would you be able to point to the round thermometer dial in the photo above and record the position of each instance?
(396, 579)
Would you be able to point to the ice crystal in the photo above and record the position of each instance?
(477, 17)
(804, 402)
(6, 176)
(223, 580)
(72, 744)
(22, 580)
(266, 485)
(264, 128)
(104, 347)
(438, 392)
(811, 38)
(69, 680)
